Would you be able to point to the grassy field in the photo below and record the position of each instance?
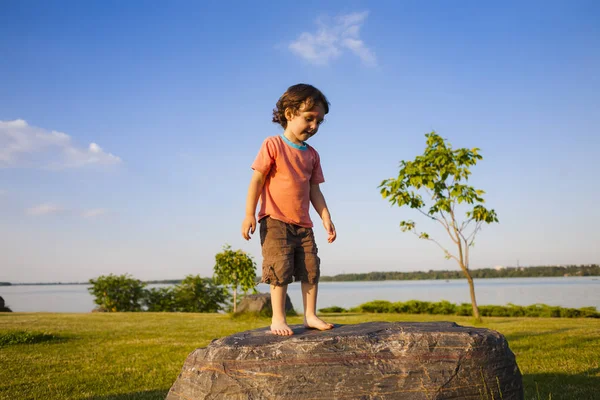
(122, 356)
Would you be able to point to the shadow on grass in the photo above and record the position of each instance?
(12, 338)
(147, 395)
(582, 386)
(537, 387)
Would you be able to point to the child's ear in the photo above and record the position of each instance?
(289, 114)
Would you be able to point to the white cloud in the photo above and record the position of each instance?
(23, 145)
(43, 209)
(332, 38)
(359, 48)
(94, 212)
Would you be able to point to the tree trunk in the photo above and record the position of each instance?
(234, 300)
(463, 262)
(472, 291)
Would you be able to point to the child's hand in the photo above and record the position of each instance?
(248, 226)
(330, 228)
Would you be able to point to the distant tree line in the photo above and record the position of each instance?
(508, 272)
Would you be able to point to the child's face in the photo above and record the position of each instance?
(305, 124)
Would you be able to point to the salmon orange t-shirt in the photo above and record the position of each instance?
(289, 170)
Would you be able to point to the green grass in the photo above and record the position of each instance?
(122, 356)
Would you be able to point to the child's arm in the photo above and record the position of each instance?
(318, 201)
(254, 190)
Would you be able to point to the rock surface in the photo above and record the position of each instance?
(374, 360)
(261, 303)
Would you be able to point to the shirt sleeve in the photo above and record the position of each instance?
(265, 158)
(317, 173)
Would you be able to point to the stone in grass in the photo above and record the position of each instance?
(260, 303)
(373, 360)
(3, 307)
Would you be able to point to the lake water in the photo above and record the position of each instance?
(564, 291)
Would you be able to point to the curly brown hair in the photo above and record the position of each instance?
(298, 98)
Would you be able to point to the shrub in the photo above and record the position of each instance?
(377, 306)
(160, 299)
(193, 294)
(446, 308)
(516, 311)
(417, 307)
(588, 312)
(196, 294)
(464, 309)
(493, 311)
(117, 293)
(332, 309)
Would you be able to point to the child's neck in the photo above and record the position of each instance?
(289, 136)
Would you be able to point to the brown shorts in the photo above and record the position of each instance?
(289, 253)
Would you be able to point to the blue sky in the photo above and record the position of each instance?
(128, 128)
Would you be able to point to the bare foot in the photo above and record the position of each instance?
(315, 322)
(281, 328)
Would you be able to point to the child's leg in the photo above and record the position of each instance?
(272, 234)
(279, 324)
(309, 298)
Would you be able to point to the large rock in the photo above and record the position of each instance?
(3, 307)
(374, 360)
(261, 303)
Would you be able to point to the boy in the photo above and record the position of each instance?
(286, 177)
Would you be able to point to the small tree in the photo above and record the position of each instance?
(117, 293)
(441, 173)
(235, 269)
